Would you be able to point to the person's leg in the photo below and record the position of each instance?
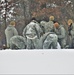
(29, 43)
(63, 43)
(12, 46)
(54, 45)
(72, 44)
(47, 44)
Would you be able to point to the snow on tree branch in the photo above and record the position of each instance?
(7, 9)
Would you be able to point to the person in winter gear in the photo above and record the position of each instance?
(17, 42)
(61, 33)
(10, 31)
(71, 33)
(32, 32)
(48, 26)
(49, 41)
(43, 26)
(70, 26)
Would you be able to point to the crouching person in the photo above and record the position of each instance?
(61, 33)
(49, 41)
(17, 42)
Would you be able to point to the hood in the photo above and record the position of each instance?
(10, 27)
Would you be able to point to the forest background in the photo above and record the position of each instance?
(21, 11)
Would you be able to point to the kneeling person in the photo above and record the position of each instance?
(49, 40)
(17, 42)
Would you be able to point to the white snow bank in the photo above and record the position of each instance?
(37, 62)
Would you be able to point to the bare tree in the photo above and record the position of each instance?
(27, 10)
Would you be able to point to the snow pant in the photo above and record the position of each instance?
(62, 42)
(33, 43)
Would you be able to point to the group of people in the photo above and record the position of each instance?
(43, 35)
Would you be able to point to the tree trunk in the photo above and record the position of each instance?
(27, 12)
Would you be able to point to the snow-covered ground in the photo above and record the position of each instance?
(37, 62)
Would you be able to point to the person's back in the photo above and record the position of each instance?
(49, 27)
(32, 33)
(32, 28)
(17, 42)
(48, 41)
(10, 31)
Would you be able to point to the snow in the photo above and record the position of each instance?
(37, 62)
(10, 9)
(2, 0)
(55, 5)
(2, 11)
(51, 5)
(69, 2)
(17, 4)
(8, 0)
(72, 5)
(58, 46)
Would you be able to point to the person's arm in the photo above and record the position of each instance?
(39, 30)
(24, 32)
(69, 30)
(62, 34)
(15, 32)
